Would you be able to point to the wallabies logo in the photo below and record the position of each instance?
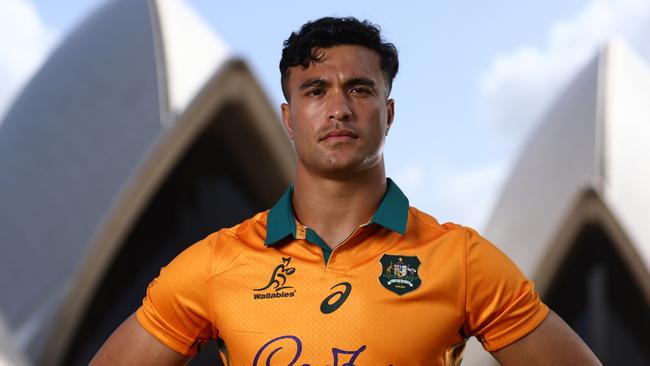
(279, 276)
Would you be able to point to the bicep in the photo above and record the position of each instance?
(553, 342)
(131, 344)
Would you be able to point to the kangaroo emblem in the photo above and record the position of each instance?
(279, 276)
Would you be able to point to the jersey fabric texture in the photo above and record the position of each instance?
(400, 290)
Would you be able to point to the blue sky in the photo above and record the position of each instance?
(474, 76)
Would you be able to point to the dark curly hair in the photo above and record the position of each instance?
(328, 32)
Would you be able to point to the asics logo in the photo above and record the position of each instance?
(336, 299)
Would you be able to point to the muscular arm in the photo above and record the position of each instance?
(130, 344)
(553, 342)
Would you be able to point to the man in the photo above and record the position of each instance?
(341, 271)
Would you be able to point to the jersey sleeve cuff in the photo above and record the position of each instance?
(516, 331)
(164, 333)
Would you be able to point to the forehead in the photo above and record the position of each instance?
(340, 62)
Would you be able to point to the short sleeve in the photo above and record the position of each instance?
(176, 309)
(502, 305)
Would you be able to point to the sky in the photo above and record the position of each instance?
(474, 77)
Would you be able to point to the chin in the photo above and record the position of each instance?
(343, 170)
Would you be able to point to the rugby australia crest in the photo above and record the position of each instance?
(399, 273)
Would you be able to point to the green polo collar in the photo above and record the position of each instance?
(392, 214)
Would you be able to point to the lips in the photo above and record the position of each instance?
(339, 134)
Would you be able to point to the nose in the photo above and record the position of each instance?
(339, 108)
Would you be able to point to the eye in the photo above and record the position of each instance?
(361, 90)
(315, 92)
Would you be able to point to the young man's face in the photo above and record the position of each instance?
(338, 112)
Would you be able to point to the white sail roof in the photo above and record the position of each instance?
(191, 49)
(596, 137)
(91, 138)
(587, 163)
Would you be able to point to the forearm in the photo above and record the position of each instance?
(131, 344)
(553, 342)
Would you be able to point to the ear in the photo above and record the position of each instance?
(390, 113)
(286, 118)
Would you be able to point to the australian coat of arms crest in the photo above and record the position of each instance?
(399, 273)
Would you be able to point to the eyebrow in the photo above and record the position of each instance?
(354, 81)
(313, 82)
(360, 81)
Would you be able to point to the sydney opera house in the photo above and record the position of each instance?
(575, 211)
(133, 141)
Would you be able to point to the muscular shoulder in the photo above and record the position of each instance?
(249, 230)
(224, 246)
(421, 223)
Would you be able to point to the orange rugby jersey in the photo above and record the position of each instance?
(401, 290)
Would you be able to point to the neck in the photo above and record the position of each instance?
(334, 208)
